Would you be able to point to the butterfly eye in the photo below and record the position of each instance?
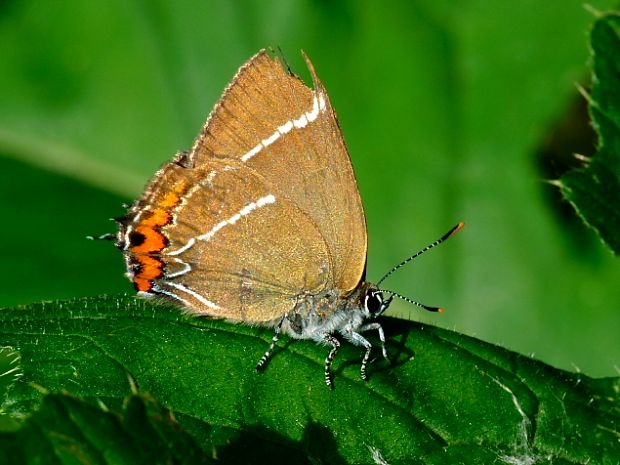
(374, 303)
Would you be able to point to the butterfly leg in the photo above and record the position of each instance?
(360, 340)
(379, 328)
(265, 358)
(335, 343)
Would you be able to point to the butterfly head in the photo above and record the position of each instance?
(375, 304)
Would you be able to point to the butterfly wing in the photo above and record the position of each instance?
(219, 241)
(271, 122)
(263, 210)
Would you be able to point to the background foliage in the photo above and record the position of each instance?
(451, 112)
(594, 188)
(444, 106)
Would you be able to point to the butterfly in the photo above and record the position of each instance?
(261, 222)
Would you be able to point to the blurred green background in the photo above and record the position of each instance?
(446, 107)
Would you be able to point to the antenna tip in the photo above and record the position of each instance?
(457, 228)
(441, 309)
(451, 233)
(431, 309)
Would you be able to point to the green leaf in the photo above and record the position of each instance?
(10, 371)
(67, 430)
(594, 191)
(447, 398)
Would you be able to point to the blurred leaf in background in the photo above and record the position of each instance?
(443, 107)
(594, 190)
(67, 430)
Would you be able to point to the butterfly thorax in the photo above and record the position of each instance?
(329, 312)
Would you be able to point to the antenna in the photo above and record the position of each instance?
(407, 299)
(454, 230)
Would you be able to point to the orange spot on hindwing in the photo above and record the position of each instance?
(147, 269)
(146, 239)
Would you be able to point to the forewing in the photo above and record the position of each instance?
(271, 122)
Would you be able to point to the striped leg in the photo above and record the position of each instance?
(360, 340)
(265, 358)
(332, 341)
(379, 328)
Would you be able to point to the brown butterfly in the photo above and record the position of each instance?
(261, 222)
